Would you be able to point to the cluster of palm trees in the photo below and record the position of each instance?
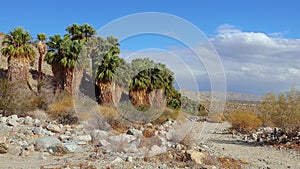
(70, 56)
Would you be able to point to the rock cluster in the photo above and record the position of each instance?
(25, 135)
(272, 136)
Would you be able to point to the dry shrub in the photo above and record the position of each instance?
(216, 117)
(63, 110)
(113, 117)
(228, 163)
(149, 132)
(282, 112)
(167, 114)
(15, 98)
(38, 114)
(244, 121)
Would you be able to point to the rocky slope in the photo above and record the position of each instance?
(34, 143)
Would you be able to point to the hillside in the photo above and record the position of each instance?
(230, 96)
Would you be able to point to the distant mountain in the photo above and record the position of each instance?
(230, 96)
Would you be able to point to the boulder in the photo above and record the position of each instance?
(46, 142)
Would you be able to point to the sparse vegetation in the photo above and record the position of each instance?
(63, 110)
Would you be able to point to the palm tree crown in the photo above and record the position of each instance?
(18, 45)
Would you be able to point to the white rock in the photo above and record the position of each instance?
(64, 137)
(70, 147)
(46, 142)
(38, 131)
(121, 138)
(129, 159)
(104, 143)
(86, 138)
(54, 128)
(99, 135)
(156, 150)
(134, 132)
(117, 160)
(3, 119)
(28, 120)
(12, 120)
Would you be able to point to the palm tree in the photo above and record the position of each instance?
(20, 52)
(106, 73)
(64, 56)
(42, 48)
(81, 32)
(53, 57)
(152, 85)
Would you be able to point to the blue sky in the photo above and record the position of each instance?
(229, 25)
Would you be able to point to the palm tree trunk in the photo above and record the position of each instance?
(58, 73)
(18, 70)
(117, 93)
(139, 97)
(105, 93)
(39, 73)
(157, 98)
(78, 75)
(69, 80)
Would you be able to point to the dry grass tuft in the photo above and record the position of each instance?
(63, 110)
(229, 163)
(244, 121)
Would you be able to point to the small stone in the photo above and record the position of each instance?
(3, 148)
(28, 121)
(70, 147)
(117, 160)
(36, 122)
(129, 159)
(86, 138)
(104, 143)
(121, 138)
(149, 125)
(134, 132)
(12, 120)
(98, 135)
(3, 119)
(195, 156)
(54, 128)
(38, 131)
(156, 150)
(64, 137)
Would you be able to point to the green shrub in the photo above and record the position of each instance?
(244, 121)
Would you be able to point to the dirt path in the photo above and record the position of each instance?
(258, 157)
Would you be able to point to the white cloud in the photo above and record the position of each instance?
(254, 62)
(227, 28)
(259, 61)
